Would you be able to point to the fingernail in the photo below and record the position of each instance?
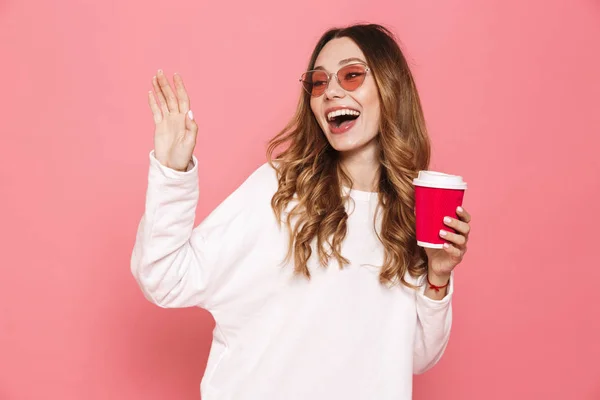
(160, 71)
(442, 232)
(459, 209)
(447, 220)
(446, 245)
(191, 114)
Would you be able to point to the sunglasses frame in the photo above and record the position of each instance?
(330, 74)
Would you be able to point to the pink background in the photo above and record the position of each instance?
(510, 90)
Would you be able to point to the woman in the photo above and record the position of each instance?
(310, 268)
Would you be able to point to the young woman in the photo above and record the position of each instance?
(310, 268)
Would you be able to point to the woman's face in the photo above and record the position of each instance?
(351, 135)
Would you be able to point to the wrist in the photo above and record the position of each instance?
(438, 279)
(187, 168)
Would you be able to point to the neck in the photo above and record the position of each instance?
(362, 165)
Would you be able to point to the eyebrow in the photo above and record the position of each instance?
(345, 61)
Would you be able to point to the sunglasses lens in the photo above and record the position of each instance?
(314, 82)
(352, 76)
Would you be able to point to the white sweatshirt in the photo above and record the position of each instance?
(341, 335)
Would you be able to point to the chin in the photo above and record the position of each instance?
(344, 145)
(349, 141)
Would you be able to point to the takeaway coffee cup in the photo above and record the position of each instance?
(436, 195)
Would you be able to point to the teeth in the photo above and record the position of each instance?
(345, 111)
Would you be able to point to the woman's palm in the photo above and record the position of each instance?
(175, 129)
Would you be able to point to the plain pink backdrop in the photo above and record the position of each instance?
(510, 91)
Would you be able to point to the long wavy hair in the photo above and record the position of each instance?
(311, 179)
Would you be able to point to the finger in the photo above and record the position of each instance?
(452, 250)
(459, 226)
(156, 113)
(190, 125)
(458, 240)
(168, 92)
(182, 96)
(162, 102)
(463, 214)
(191, 131)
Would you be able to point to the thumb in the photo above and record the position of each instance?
(190, 124)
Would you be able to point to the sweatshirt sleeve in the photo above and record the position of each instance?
(177, 265)
(434, 320)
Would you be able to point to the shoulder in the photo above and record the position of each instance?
(262, 179)
(251, 198)
(258, 187)
(264, 172)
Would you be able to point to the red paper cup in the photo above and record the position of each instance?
(436, 195)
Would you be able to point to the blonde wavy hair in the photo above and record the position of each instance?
(310, 176)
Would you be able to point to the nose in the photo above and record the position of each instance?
(334, 90)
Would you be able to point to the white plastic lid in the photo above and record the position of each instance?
(439, 180)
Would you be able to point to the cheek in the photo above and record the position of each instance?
(314, 106)
(373, 99)
(372, 102)
(368, 97)
(376, 115)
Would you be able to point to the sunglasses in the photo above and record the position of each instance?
(350, 77)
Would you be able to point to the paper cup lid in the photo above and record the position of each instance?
(439, 180)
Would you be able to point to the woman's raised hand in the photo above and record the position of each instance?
(175, 131)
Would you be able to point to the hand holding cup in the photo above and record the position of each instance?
(442, 225)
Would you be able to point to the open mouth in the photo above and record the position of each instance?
(341, 120)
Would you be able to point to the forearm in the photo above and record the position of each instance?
(165, 257)
(434, 312)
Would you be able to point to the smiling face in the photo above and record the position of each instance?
(349, 119)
